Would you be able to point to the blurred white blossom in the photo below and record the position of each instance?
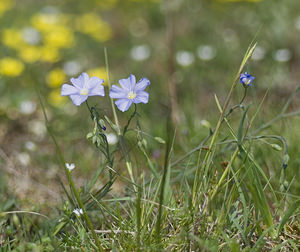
(23, 158)
(29, 145)
(27, 107)
(185, 58)
(30, 35)
(140, 52)
(37, 127)
(259, 53)
(111, 138)
(282, 55)
(206, 52)
(72, 67)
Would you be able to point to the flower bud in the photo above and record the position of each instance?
(285, 160)
(89, 135)
(102, 124)
(205, 123)
(16, 220)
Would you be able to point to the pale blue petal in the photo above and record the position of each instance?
(123, 104)
(97, 90)
(77, 99)
(125, 84)
(93, 82)
(68, 90)
(117, 92)
(132, 81)
(129, 83)
(80, 81)
(142, 84)
(141, 97)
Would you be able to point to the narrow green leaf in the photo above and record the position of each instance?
(288, 214)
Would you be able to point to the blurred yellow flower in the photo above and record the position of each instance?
(29, 54)
(60, 37)
(47, 22)
(49, 54)
(55, 78)
(55, 99)
(93, 25)
(5, 5)
(99, 72)
(12, 38)
(11, 67)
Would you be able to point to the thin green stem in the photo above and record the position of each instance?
(121, 138)
(111, 100)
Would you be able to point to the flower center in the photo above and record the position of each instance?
(84, 91)
(247, 81)
(131, 95)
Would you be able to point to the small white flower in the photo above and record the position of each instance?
(70, 167)
(78, 212)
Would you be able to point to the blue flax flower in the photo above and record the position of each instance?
(130, 92)
(82, 88)
(246, 79)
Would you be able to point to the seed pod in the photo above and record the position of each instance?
(144, 142)
(286, 184)
(276, 147)
(140, 144)
(160, 140)
(16, 220)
